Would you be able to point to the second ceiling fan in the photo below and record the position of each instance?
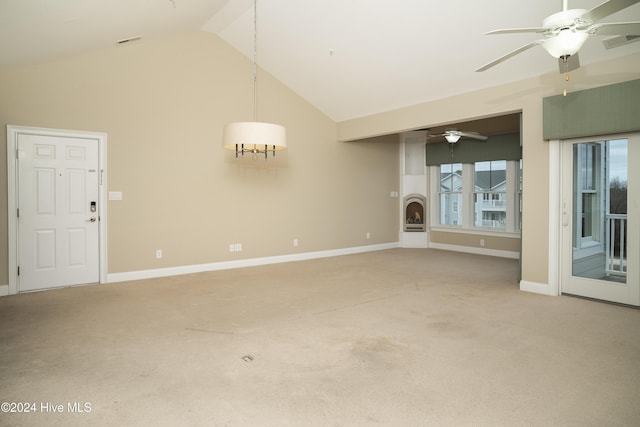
(452, 136)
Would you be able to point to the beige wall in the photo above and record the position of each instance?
(525, 96)
(163, 106)
(491, 242)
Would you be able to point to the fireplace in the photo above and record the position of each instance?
(414, 218)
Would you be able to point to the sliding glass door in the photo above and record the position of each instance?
(600, 203)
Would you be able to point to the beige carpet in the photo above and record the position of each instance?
(403, 337)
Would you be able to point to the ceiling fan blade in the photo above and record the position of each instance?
(572, 63)
(605, 9)
(510, 54)
(519, 30)
(473, 135)
(616, 29)
(617, 41)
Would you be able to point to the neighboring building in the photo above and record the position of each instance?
(490, 198)
(490, 207)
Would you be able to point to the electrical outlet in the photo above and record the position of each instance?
(232, 247)
(237, 247)
(295, 243)
(159, 253)
(368, 235)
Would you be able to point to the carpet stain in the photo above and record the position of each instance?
(378, 350)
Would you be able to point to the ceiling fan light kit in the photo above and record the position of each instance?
(564, 40)
(565, 44)
(452, 138)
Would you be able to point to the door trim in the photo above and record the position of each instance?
(12, 193)
(555, 220)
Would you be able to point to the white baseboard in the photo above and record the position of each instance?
(473, 250)
(225, 265)
(538, 288)
(4, 290)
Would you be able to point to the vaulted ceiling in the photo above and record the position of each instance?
(348, 58)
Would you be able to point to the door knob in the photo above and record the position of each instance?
(92, 219)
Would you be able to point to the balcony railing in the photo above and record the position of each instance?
(493, 223)
(502, 204)
(616, 245)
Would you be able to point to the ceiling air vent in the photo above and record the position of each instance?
(617, 41)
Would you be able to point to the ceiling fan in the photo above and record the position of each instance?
(452, 136)
(565, 32)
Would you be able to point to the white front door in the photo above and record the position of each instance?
(58, 213)
(600, 213)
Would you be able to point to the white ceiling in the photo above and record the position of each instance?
(349, 58)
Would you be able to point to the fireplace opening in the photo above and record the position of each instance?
(414, 218)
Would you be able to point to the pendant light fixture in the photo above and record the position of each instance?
(254, 137)
(452, 138)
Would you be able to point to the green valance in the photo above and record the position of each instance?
(599, 111)
(496, 147)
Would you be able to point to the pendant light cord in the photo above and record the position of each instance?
(255, 54)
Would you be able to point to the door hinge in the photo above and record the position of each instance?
(18, 270)
(18, 212)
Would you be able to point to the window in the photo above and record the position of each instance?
(450, 194)
(490, 194)
(480, 195)
(588, 178)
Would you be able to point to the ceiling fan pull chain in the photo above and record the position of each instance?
(565, 59)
